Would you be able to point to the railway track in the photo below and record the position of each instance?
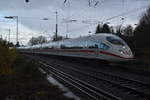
(107, 83)
(91, 91)
(130, 87)
(140, 86)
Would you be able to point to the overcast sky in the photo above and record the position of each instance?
(86, 17)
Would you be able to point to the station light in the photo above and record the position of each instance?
(9, 17)
(27, 0)
(45, 18)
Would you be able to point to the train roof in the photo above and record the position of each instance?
(95, 37)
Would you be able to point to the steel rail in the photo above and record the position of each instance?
(133, 91)
(109, 81)
(66, 80)
(92, 89)
(121, 78)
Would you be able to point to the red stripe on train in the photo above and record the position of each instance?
(91, 51)
(111, 54)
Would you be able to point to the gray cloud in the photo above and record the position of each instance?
(31, 14)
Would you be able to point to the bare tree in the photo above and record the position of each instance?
(128, 31)
(58, 38)
(118, 30)
(37, 40)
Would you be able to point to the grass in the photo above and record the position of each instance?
(28, 83)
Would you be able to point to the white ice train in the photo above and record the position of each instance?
(105, 46)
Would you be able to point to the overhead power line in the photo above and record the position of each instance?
(28, 18)
(65, 1)
(102, 2)
(94, 3)
(125, 13)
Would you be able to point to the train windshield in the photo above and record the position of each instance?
(114, 40)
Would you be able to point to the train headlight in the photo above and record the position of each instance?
(121, 51)
(123, 47)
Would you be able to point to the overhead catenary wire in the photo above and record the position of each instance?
(94, 3)
(97, 3)
(29, 18)
(108, 19)
(112, 18)
(122, 14)
(125, 13)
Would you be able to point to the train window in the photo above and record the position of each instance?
(114, 40)
(82, 44)
(73, 45)
(103, 46)
(96, 46)
(62, 46)
(92, 45)
(45, 48)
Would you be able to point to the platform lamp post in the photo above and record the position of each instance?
(56, 27)
(122, 19)
(56, 33)
(45, 19)
(27, 1)
(12, 17)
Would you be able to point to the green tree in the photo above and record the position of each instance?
(103, 29)
(142, 31)
(98, 29)
(106, 28)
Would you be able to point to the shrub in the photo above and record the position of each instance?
(7, 58)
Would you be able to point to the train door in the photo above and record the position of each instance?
(97, 45)
(93, 47)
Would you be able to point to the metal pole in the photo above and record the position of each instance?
(56, 25)
(17, 30)
(1, 37)
(9, 36)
